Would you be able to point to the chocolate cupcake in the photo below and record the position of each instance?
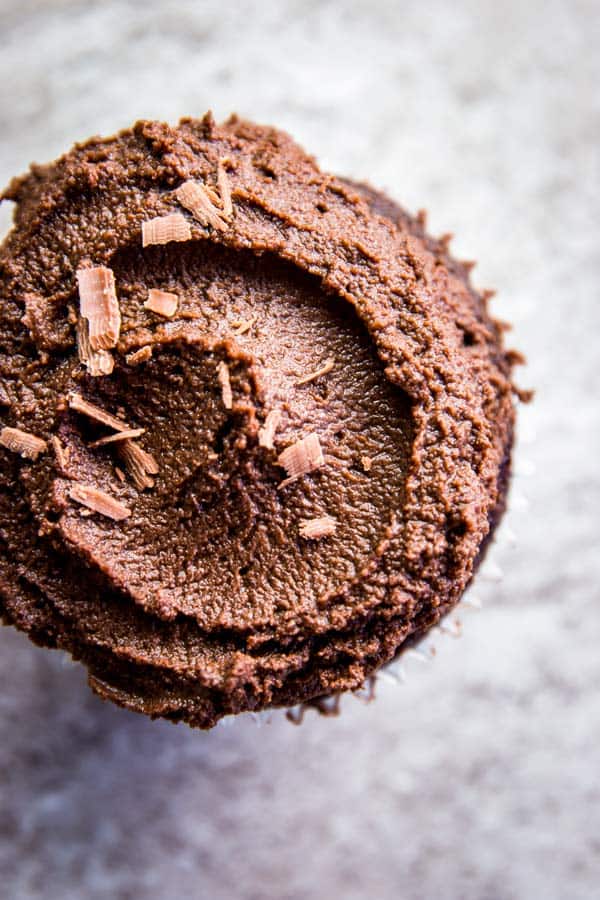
(256, 424)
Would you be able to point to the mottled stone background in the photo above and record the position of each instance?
(479, 778)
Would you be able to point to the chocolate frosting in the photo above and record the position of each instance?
(206, 599)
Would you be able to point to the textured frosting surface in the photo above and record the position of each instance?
(207, 599)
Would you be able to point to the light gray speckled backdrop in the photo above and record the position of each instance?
(480, 778)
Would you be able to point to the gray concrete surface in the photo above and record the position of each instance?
(479, 779)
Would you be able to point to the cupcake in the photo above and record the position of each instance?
(256, 424)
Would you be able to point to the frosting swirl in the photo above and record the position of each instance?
(301, 307)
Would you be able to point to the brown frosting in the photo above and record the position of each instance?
(193, 561)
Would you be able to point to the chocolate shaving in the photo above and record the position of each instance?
(313, 529)
(99, 501)
(225, 382)
(164, 229)
(192, 195)
(24, 443)
(224, 189)
(162, 302)
(96, 413)
(325, 368)
(213, 196)
(97, 362)
(61, 453)
(243, 326)
(301, 458)
(139, 464)
(139, 356)
(119, 436)
(99, 305)
(267, 432)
